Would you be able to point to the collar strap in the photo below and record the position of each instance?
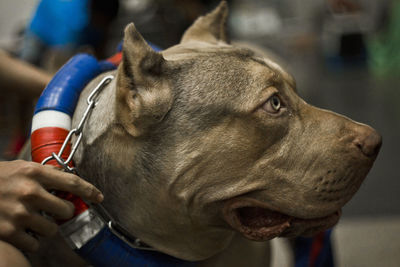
(92, 233)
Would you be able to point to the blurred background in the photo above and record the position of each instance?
(344, 54)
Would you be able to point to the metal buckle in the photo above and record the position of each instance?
(118, 230)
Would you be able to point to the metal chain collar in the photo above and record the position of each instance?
(91, 101)
(114, 226)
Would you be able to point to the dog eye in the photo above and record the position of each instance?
(273, 104)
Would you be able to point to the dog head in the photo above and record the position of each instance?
(205, 139)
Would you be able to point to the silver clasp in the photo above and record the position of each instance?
(78, 130)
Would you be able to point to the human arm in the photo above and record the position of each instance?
(21, 77)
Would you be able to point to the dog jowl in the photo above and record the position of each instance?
(206, 139)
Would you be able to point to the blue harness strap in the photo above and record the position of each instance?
(106, 249)
(62, 93)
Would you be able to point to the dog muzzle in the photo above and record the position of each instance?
(91, 232)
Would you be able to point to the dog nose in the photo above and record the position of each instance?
(368, 141)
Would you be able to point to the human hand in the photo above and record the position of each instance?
(24, 193)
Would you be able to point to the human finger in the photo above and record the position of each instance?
(53, 205)
(52, 178)
(23, 241)
(41, 225)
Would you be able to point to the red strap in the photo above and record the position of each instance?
(115, 59)
(47, 140)
(316, 247)
(44, 142)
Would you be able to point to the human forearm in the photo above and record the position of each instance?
(21, 77)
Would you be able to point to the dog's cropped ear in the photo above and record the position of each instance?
(143, 94)
(210, 28)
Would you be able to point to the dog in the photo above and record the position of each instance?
(206, 147)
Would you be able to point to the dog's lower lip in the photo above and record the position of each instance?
(260, 223)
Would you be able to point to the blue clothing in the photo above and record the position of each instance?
(314, 251)
(60, 22)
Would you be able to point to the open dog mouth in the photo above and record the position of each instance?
(258, 222)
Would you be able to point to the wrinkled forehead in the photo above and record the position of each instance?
(194, 50)
(279, 72)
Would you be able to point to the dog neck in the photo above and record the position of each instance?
(129, 190)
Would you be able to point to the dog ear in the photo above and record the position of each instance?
(143, 94)
(210, 28)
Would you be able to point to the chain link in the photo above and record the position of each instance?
(116, 228)
(91, 101)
